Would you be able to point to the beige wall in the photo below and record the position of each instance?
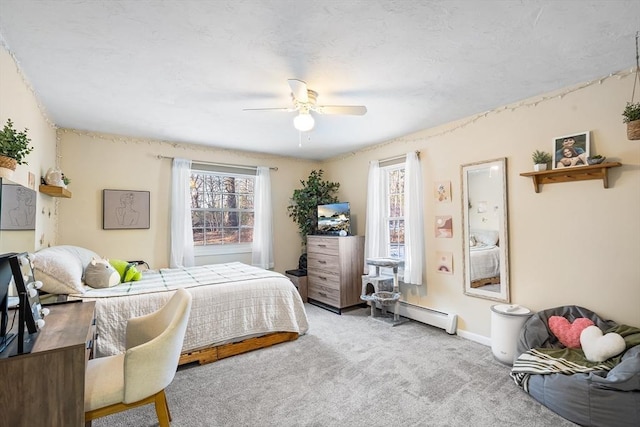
(18, 103)
(95, 162)
(572, 243)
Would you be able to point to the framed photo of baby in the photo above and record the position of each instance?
(571, 150)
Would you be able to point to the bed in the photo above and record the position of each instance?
(484, 262)
(236, 307)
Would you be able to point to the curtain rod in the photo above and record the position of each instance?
(219, 164)
(397, 157)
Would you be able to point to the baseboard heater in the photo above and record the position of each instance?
(439, 319)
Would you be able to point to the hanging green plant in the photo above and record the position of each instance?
(13, 144)
(304, 202)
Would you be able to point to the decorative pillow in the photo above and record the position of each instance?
(100, 274)
(568, 333)
(61, 268)
(598, 348)
(127, 270)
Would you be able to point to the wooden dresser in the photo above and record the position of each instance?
(334, 271)
(46, 386)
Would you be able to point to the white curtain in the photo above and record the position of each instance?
(262, 248)
(413, 224)
(181, 231)
(377, 238)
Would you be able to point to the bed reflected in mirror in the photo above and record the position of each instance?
(485, 240)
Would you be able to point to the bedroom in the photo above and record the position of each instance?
(603, 231)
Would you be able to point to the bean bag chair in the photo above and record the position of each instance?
(606, 394)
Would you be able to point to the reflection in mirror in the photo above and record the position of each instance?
(17, 217)
(485, 240)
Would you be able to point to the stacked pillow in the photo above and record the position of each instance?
(61, 268)
(582, 333)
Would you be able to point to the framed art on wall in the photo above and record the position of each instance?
(571, 150)
(125, 209)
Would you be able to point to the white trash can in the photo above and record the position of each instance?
(506, 322)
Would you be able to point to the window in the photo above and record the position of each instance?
(394, 216)
(222, 209)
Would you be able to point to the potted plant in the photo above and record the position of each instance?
(304, 202)
(631, 116)
(540, 160)
(14, 147)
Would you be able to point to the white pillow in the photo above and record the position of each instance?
(61, 268)
(486, 237)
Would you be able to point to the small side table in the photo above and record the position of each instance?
(299, 280)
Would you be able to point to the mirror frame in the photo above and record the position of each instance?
(503, 295)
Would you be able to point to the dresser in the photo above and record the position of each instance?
(46, 386)
(334, 271)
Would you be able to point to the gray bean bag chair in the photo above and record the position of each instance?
(598, 398)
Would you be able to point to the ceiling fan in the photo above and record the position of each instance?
(305, 101)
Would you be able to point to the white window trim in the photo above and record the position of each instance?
(238, 248)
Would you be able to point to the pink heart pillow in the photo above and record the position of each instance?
(568, 333)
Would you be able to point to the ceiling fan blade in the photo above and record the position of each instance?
(354, 110)
(270, 109)
(299, 90)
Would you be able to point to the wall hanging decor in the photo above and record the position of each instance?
(125, 209)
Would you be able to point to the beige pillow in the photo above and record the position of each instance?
(61, 268)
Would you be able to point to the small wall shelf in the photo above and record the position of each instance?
(54, 191)
(577, 173)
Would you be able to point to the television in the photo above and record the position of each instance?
(5, 280)
(334, 219)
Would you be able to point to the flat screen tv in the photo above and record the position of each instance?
(334, 219)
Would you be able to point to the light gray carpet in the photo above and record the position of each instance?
(351, 370)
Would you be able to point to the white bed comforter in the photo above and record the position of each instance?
(230, 302)
(485, 262)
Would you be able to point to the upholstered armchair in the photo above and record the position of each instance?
(139, 375)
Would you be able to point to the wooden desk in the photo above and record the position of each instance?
(46, 386)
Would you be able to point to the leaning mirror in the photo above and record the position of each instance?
(485, 240)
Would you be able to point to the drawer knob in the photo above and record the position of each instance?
(322, 262)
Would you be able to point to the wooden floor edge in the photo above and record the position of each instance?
(212, 354)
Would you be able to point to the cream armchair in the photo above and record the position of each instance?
(139, 375)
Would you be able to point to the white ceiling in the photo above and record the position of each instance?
(185, 70)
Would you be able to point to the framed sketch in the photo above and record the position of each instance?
(18, 207)
(125, 209)
(571, 150)
(444, 262)
(444, 226)
(442, 191)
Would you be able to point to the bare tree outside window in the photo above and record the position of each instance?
(221, 208)
(395, 215)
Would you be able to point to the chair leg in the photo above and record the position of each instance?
(162, 409)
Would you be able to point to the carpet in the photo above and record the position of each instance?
(350, 370)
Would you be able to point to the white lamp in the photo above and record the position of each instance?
(303, 122)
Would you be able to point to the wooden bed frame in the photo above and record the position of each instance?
(215, 353)
(487, 281)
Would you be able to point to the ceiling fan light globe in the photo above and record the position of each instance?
(303, 122)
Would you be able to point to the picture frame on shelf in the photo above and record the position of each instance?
(571, 150)
(125, 209)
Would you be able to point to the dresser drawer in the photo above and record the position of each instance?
(320, 261)
(324, 294)
(322, 245)
(327, 279)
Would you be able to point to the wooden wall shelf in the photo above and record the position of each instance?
(576, 173)
(54, 191)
